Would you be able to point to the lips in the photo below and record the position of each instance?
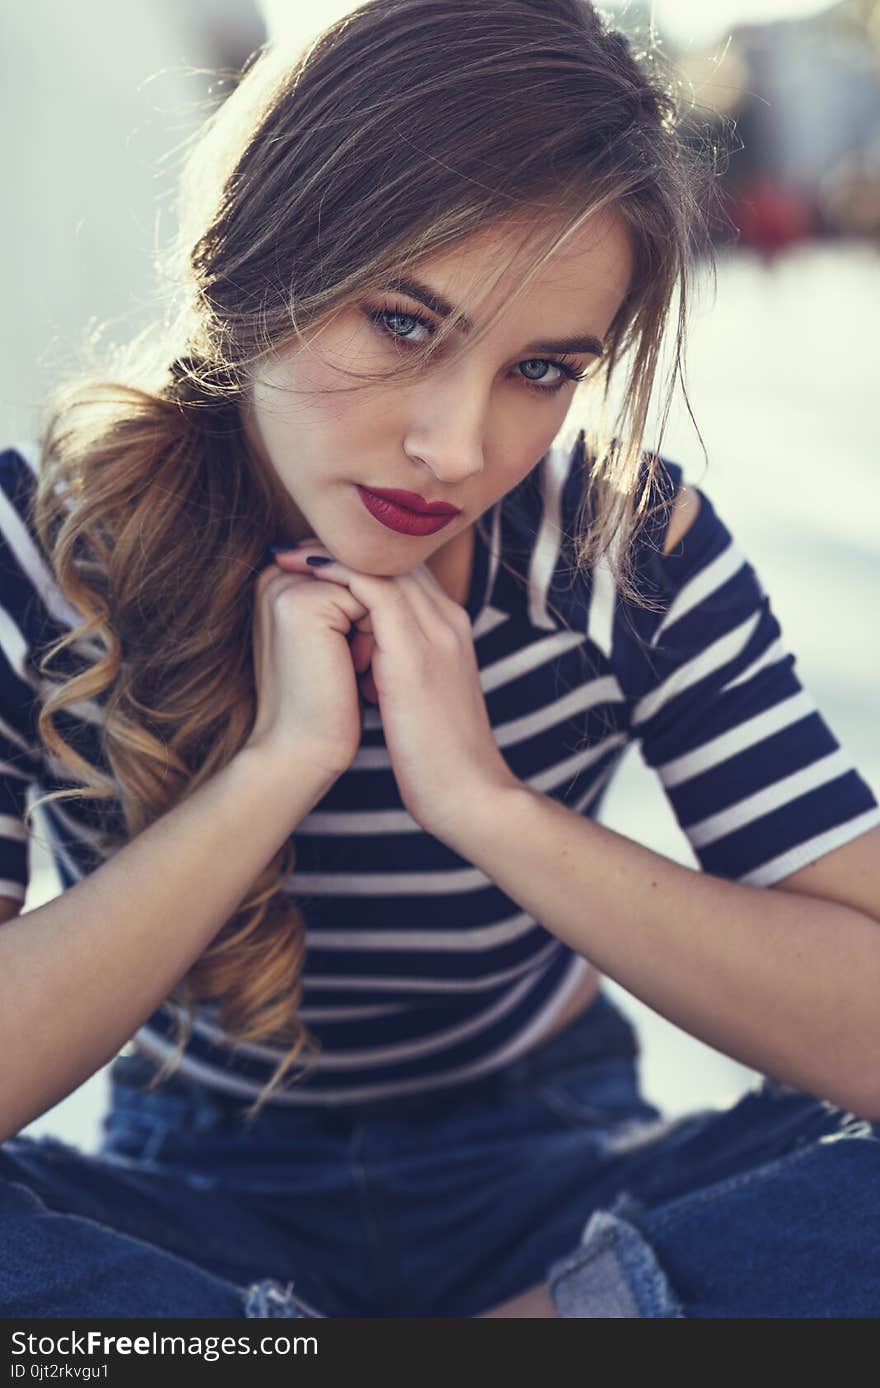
(390, 511)
(411, 501)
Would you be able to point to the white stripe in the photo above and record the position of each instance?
(500, 672)
(754, 730)
(14, 647)
(210, 1011)
(541, 1023)
(12, 828)
(371, 717)
(494, 556)
(350, 1014)
(466, 939)
(490, 618)
(531, 657)
(355, 822)
(57, 816)
(61, 854)
(33, 566)
(14, 736)
(440, 883)
(7, 769)
(712, 657)
(352, 823)
(603, 598)
(603, 690)
(603, 601)
(548, 542)
(769, 873)
(557, 775)
(579, 807)
(775, 652)
(578, 700)
(360, 983)
(85, 710)
(396, 1053)
(701, 586)
(16, 650)
(718, 826)
(16, 890)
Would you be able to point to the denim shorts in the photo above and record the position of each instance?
(553, 1169)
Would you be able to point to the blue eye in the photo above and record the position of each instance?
(398, 331)
(384, 320)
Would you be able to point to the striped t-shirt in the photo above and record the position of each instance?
(420, 973)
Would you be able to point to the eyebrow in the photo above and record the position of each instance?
(414, 289)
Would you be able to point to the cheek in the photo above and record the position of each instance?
(303, 404)
(522, 453)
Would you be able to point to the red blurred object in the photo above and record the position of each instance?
(772, 216)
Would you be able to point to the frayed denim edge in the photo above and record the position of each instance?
(612, 1274)
(270, 1298)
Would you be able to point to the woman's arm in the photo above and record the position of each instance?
(79, 975)
(785, 982)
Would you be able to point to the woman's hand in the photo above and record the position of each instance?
(308, 712)
(423, 670)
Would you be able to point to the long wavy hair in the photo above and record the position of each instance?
(403, 129)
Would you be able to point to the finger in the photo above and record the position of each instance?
(386, 599)
(431, 586)
(368, 688)
(424, 602)
(428, 599)
(311, 545)
(362, 647)
(343, 610)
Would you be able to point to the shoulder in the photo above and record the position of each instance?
(685, 510)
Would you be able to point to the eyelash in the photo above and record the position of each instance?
(569, 373)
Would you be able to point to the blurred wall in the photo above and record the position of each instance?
(94, 98)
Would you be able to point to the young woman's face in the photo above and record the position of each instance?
(463, 432)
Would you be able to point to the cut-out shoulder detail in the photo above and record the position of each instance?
(685, 510)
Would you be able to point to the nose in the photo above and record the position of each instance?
(447, 429)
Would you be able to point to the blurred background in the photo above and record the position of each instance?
(782, 367)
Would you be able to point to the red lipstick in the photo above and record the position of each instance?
(406, 512)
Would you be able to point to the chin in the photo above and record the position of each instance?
(377, 559)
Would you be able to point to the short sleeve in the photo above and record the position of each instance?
(756, 778)
(20, 761)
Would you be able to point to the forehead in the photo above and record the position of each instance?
(591, 268)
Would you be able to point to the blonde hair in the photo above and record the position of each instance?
(405, 128)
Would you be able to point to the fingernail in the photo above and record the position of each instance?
(281, 549)
(316, 559)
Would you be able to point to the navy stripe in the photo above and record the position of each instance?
(773, 834)
(754, 769)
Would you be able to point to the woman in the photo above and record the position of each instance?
(339, 632)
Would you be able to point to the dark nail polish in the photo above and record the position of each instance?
(316, 559)
(281, 549)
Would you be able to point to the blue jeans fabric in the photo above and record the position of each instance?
(452, 1202)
